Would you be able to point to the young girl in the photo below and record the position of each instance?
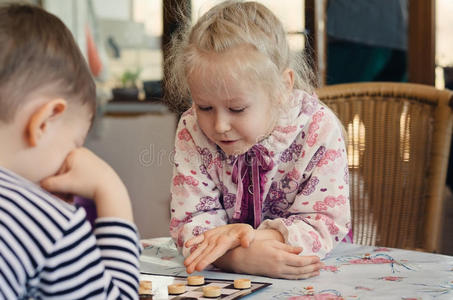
(260, 182)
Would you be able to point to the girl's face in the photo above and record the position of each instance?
(233, 113)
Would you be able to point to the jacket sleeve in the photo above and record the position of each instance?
(320, 216)
(195, 205)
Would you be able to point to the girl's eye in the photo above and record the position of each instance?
(204, 108)
(237, 110)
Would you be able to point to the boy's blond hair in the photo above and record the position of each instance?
(38, 56)
(227, 26)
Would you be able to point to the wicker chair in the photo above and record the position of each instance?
(398, 146)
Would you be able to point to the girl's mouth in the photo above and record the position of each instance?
(228, 142)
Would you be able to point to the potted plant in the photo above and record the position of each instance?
(128, 90)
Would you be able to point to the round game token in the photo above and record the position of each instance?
(145, 288)
(195, 280)
(177, 288)
(143, 291)
(211, 291)
(146, 284)
(242, 283)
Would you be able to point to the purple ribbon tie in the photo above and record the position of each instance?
(254, 164)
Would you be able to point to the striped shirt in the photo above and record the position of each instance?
(49, 251)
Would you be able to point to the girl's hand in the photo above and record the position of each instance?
(271, 258)
(85, 174)
(214, 243)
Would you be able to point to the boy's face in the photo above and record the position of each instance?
(235, 114)
(66, 134)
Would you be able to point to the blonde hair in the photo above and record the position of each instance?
(227, 26)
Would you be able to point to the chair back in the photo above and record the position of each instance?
(398, 143)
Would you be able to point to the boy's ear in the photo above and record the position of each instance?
(40, 120)
(288, 79)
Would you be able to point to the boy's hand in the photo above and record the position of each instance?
(85, 174)
(214, 243)
(271, 258)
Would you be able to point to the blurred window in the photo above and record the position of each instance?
(290, 13)
(444, 44)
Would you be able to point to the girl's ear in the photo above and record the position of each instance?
(39, 121)
(288, 79)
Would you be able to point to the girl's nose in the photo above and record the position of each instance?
(221, 124)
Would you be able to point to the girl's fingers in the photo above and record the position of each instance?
(295, 250)
(300, 276)
(247, 238)
(245, 243)
(206, 251)
(195, 240)
(301, 272)
(289, 248)
(301, 261)
(212, 256)
(195, 254)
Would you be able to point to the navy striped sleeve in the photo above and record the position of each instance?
(48, 249)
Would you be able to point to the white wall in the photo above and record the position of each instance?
(113, 9)
(140, 149)
(73, 13)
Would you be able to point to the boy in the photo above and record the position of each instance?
(47, 102)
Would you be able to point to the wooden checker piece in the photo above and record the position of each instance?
(176, 289)
(195, 280)
(211, 291)
(145, 288)
(242, 283)
(180, 288)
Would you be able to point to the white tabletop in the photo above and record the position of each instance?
(351, 272)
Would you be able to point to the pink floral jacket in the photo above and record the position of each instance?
(302, 180)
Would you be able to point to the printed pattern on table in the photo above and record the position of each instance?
(351, 272)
